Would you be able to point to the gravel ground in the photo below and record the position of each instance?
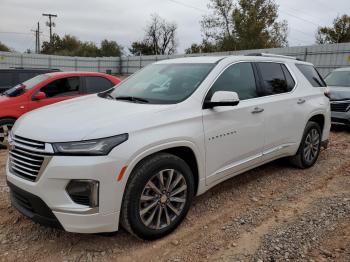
(272, 213)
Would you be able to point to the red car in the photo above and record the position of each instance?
(47, 89)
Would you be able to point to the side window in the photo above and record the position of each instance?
(276, 78)
(289, 78)
(95, 84)
(62, 87)
(237, 78)
(311, 75)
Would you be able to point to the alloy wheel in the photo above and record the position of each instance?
(163, 199)
(311, 145)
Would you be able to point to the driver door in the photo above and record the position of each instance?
(233, 134)
(58, 90)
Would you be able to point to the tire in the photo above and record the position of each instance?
(6, 125)
(137, 215)
(308, 153)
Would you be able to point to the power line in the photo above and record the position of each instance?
(189, 6)
(300, 18)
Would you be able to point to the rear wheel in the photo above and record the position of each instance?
(157, 197)
(6, 125)
(309, 148)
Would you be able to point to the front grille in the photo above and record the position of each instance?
(25, 158)
(340, 107)
(29, 142)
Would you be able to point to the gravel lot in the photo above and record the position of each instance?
(272, 213)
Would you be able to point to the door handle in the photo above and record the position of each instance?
(301, 101)
(257, 110)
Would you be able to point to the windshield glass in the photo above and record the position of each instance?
(161, 83)
(25, 86)
(338, 78)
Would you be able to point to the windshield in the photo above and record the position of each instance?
(161, 83)
(25, 86)
(338, 78)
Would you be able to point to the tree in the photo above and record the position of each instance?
(256, 25)
(204, 47)
(249, 24)
(143, 48)
(71, 46)
(110, 48)
(4, 48)
(218, 27)
(159, 39)
(338, 33)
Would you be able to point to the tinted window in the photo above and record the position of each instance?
(95, 84)
(312, 75)
(338, 78)
(62, 87)
(237, 78)
(6, 79)
(289, 78)
(274, 79)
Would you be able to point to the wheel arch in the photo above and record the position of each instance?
(185, 150)
(319, 119)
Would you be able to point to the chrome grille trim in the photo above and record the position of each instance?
(33, 143)
(340, 106)
(28, 158)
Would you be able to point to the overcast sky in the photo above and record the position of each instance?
(124, 21)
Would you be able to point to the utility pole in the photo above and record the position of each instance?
(50, 24)
(37, 39)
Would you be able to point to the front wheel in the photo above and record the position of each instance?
(6, 125)
(157, 197)
(309, 148)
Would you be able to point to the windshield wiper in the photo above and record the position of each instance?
(132, 99)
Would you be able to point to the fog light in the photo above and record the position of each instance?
(84, 192)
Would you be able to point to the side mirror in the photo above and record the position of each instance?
(222, 98)
(39, 96)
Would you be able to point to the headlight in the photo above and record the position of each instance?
(96, 147)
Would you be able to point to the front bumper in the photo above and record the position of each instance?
(57, 208)
(341, 118)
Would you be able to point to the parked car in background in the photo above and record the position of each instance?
(47, 89)
(13, 76)
(136, 155)
(339, 85)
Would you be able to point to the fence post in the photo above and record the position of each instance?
(22, 61)
(127, 66)
(98, 65)
(120, 65)
(50, 62)
(76, 64)
(305, 54)
(140, 60)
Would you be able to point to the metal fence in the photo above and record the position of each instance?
(325, 57)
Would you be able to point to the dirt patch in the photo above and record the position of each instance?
(274, 212)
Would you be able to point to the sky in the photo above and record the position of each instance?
(125, 21)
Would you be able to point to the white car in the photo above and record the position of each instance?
(137, 154)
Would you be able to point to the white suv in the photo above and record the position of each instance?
(137, 154)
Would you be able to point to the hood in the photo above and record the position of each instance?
(339, 93)
(86, 118)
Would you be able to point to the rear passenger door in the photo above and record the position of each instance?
(283, 109)
(96, 84)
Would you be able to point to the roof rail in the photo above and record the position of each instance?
(272, 55)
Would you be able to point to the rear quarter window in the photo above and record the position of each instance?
(312, 75)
